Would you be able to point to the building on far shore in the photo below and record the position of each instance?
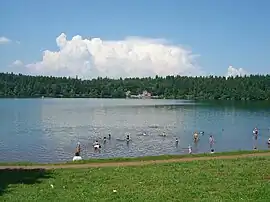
(144, 95)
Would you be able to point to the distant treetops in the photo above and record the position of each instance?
(254, 87)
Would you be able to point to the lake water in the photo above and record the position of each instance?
(47, 130)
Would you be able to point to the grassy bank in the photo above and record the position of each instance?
(245, 179)
(143, 158)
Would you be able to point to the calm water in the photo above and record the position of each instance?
(47, 130)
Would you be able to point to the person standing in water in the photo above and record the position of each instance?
(255, 133)
(195, 137)
(189, 149)
(211, 141)
(104, 140)
(176, 141)
(78, 150)
(77, 156)
(128, 138)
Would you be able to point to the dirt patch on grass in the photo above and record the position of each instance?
(135, 163)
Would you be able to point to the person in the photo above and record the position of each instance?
(255, 133)
(189, 149)
(211, 141)
(202, 133)
(176, 141)
(212, 151)
(195, 137)
(128, 138)
(77, 155)
(110, 136)
(268, 142)
(104, 140)
(96, 145)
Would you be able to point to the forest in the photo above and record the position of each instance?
(253, 87)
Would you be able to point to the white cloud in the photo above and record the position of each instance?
(236, 72)
(4, 40)
(131, 57)
(17, 63)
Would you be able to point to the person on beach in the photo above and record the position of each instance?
(255, 133)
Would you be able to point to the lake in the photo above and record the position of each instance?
(47, 130)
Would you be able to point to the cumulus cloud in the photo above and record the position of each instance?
(236, 72)
(131, 57)
(17, 63)
(4, 40)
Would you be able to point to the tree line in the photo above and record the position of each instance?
(253, 87)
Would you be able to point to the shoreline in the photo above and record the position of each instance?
(135, 161)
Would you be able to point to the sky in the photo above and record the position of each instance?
(135, 38)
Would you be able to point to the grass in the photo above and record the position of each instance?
(144, 158)
(245, 179)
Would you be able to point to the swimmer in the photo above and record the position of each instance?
(110, 136)
(176, 141)
(255, 133)
(104, 140)
(202, 133)
(212, 151)
(163, 134)
(195, 137)
(268, 142)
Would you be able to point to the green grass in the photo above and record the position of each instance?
(245, 179)
(144, 158)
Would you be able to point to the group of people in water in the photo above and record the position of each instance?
(196, 137)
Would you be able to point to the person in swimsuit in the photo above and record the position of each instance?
(96, 145)
(255, 133)
(195, 137)
(211, 141)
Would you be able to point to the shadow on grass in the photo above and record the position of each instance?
(21, 176)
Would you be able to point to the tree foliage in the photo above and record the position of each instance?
(254, 87)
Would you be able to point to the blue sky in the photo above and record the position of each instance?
(221, 32)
